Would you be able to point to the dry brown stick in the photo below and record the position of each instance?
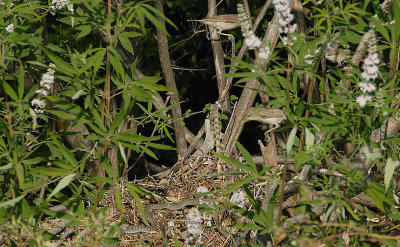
(217, 49)
(196, 142)
(248, 95)
(169, 78)
(243, 50)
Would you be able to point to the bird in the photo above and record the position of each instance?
(221, 22)
(266, 116)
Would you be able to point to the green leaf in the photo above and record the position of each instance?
(61, 185)
(51, 171)
(108, 168)
(69, 156)
(142, 191)
(177, 243)
(155, 87)
(159, 13)
(149, 152)
(238, 164)
(377, 193)
(21, 81)
(132, 190)
(34, 161)
(271, 206)
(27, 211)
(160, 146)
(247, 226)
(128, 137)
(122, 152)
(247, 156)
(19, 169)
(260, 215)
(396, 12)
(389, 171)
(62, 114)
(310, 139)
(380, 28)
(140, 17)
(154, 20)
(9, 90)
(290, 141)
(85, 30)
(125, 42)
(11, 203)
(350, 210)
(352, 36)
(237, 185)
(149, 82)
(116, 61)
(118, 200)
(61, 65)
(103, 179)
(140, 94)
(6, 167)
(94, 61)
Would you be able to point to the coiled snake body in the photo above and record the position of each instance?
(126, 229)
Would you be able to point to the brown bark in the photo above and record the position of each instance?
(169, 78)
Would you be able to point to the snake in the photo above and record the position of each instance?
(128, 229)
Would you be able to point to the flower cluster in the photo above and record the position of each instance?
(251, 40)
(370, 72)
(238, 198)
(284, 18)
(193, 232)
(10, 28)
(44, 90)
(59, 4)
(308, 59)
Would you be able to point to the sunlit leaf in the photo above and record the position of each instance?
(61, 185)
(389, 171)
(11, 203)
(290, 141)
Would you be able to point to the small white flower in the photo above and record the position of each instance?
(59, 4)
(252, 41)
(10, 28)
(47, 79)
(308, 59)
(42, 91)
(372, 59)
(362, 100)
(371, 62)
(51, 71)
(39, 103)
(238, 198)
(366, 87)
(284, 17)
(193, 232)
(37, 110)
(285, 40)
(264, 52)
